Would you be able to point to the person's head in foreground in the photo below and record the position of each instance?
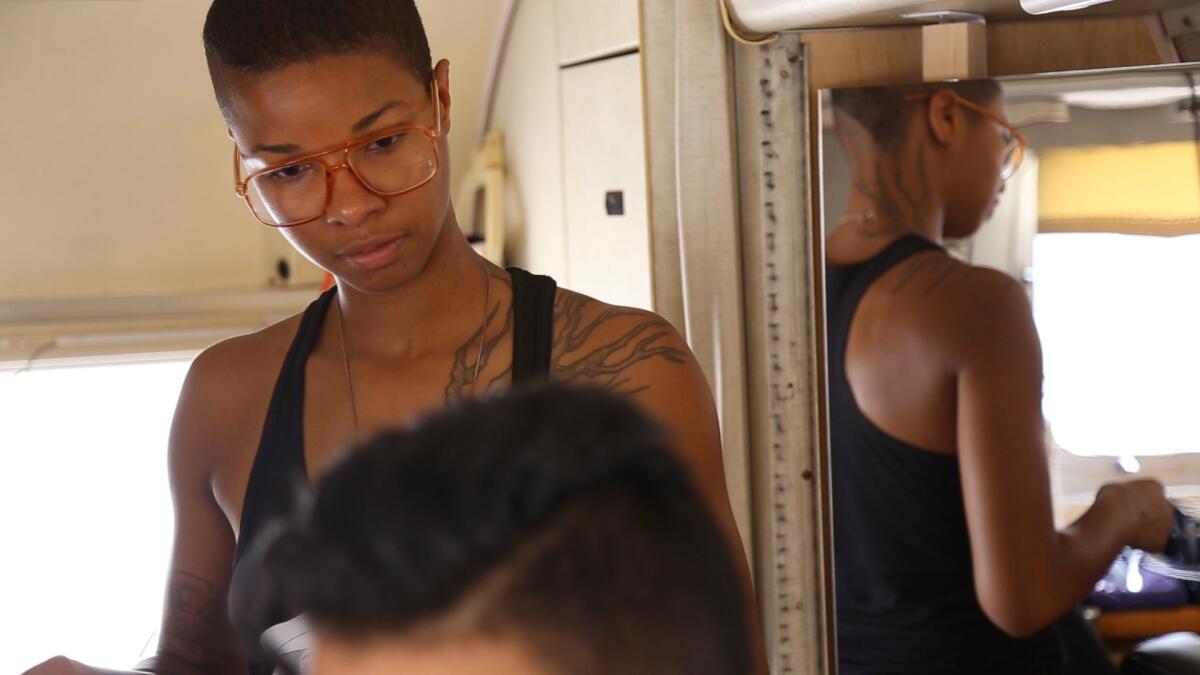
(545, 532)
(933, 152)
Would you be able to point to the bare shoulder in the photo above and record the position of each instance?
(940, 277)
(238, 367)
(227, 389)
(619, 348)
(952, 299)
(936, 284)
(640, 354)
(244, 351)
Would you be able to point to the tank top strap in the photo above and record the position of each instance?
(279, 468)
(849, 283)
(279, 472)
(281, 446)
(533, 324)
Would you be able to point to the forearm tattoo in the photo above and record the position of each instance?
(197, 632)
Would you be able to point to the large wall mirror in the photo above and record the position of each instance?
(1099, 226)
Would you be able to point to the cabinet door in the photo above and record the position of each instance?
(588, 29)
(604, 172)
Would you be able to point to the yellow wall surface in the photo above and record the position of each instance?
(116, 170)
(1146, 189)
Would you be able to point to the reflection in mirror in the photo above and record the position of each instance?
(1011, 292)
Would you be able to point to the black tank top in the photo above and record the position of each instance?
(279, 470)
(904, 587)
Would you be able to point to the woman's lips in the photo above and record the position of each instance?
(374, 253)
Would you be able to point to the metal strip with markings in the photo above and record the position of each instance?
(785, 354)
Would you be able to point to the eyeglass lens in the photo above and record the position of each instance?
(388, 165)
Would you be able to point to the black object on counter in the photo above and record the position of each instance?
(1183, 545)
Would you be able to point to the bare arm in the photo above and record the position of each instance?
(678, 395)
(1027, 574)
(640, 354)
(196, 635)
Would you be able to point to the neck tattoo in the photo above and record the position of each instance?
(487, 299)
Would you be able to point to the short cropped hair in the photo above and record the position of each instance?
(258, 36)
(553, 516)
(882, 110)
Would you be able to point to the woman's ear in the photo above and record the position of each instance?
(441, 75)
(943, 115)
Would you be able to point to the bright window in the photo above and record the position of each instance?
(86, 511)
(1119, 320)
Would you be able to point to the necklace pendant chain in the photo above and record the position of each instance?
(868, 216)
(487, 301)
(346, 363)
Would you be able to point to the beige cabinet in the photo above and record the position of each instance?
(592, 29)
(568, 99)
(604, 171)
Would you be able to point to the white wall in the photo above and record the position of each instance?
(116, 176)
(116, 171)
(528, 110)
(463, 32)
(568, 101)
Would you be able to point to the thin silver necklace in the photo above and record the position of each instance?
(487, 299)
(867, 216)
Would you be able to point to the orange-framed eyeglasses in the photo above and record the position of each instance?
(388, 162)
(1014, 148)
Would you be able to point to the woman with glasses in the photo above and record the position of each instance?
(339, 120)
(946, 556)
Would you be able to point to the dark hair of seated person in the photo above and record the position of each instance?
(554, 517)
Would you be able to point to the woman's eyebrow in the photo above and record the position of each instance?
(282, 149)
(366, 122)
(361, 125)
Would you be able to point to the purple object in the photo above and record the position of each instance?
(1129, 585)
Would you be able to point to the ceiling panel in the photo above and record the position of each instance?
(767, 16)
